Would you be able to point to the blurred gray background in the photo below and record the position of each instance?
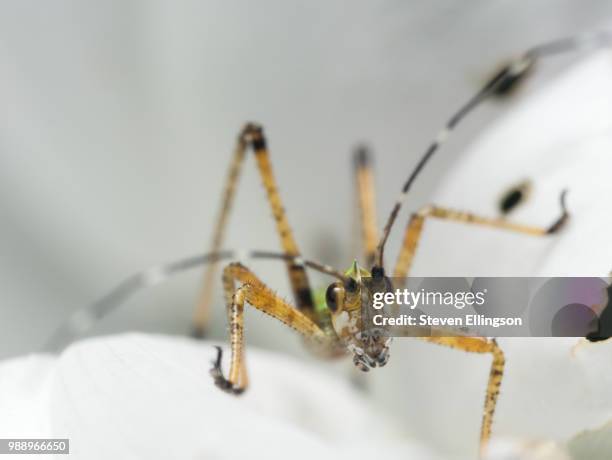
(118, 118)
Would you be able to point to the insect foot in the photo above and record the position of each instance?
(220, 381)
(561, 221)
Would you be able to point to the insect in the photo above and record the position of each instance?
(332, 326)
(334, 329)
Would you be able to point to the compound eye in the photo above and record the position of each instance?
(334, 296)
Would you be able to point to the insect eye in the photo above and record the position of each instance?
(332, 297)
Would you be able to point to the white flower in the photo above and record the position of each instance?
(141, 396)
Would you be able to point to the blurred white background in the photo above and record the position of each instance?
(118, 119)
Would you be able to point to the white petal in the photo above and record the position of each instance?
(592, 444)
(139, 396)
(24, 396)
(513, 449)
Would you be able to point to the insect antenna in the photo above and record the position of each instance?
(301, 261)
(86, 317)
(597, 39)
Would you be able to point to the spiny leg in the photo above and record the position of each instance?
(415, 227)
(252, 136)
(470, 344)
(202, 312)
(480, 345)
(258, 295)
(366, 199)
(297, 273)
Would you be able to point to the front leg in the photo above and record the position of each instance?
(255, 293)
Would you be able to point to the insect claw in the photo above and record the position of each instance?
(217, 374)
(216, 370)
(560, 222)
(562, 199)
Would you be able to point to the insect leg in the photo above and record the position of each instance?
(257, 294)
(415, 227)
(366, 198)
(202, 312)
(252, 136)
(480, 345)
